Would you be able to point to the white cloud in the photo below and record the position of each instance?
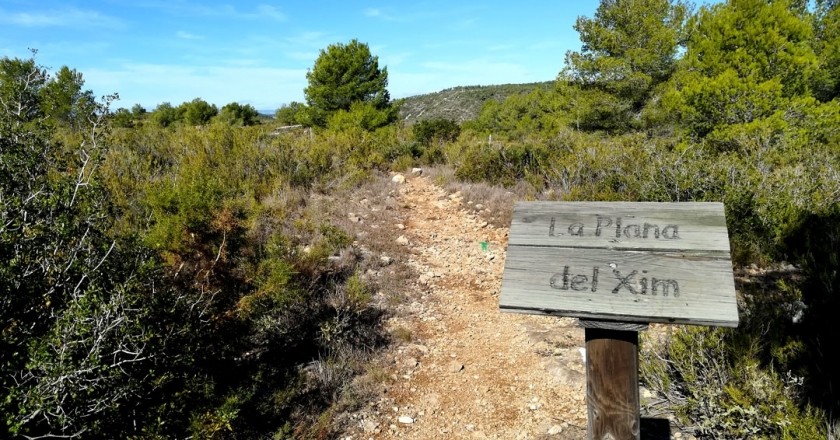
(309, 39)
(379, 13)
(66, 17)
(271, 12)
(190, 9)
(394, 59)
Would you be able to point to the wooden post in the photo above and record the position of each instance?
(612, 384)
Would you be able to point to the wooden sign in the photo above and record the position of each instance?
(621, 261)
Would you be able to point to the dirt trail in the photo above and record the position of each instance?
(466, 370)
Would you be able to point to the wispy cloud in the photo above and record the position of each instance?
(478, 67)
(272, 12)
(379, 13)
(395, 59)
(188, 36)
(302, 46)
(261, 11)
(309, 39)
(66, 17)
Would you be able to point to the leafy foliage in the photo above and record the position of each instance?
(122, 118)
(435, 131)
(745, 61)
(197, 112)
(65, 103)
(164, 115)
(344, 74)
(74, 339)
(159, 297)
(292, 114)
(629, 48)
(826, 44)
(238, 114)
(165, 277)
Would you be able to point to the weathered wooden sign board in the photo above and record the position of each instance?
(619, 265)
(621, 261)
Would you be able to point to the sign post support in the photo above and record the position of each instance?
(612, 383)
(619, 266)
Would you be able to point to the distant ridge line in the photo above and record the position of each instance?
(460, 103)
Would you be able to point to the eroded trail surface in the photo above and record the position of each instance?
(465, 370)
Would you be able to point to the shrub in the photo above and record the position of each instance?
(433, 131)
(713, 379)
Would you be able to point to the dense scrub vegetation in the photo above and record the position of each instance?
(164, 274)
(161, 282)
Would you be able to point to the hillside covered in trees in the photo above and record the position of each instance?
(180, 272)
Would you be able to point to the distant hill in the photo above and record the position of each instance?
(460, 103)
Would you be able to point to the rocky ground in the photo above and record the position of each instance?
(462, 369)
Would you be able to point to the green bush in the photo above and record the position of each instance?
(432, 131)
(719, 389)
(362, 115)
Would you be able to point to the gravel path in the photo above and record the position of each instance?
(468, 371)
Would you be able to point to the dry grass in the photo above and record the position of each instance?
(370, 213)
(493, 203)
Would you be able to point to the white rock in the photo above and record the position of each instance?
(385, 260)
(555, 429)
(402, 240)
(369, 426)
(400, 226)
(399, 178)
(416, 171)
(406, 420)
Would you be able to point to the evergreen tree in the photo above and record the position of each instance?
(64, 101)
(165, 115)
(745, 60)
(235, 113)
(197, 111)
(628, 47)
(342, 75)
(827, 46)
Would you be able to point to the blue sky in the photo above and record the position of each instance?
(151, 51)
